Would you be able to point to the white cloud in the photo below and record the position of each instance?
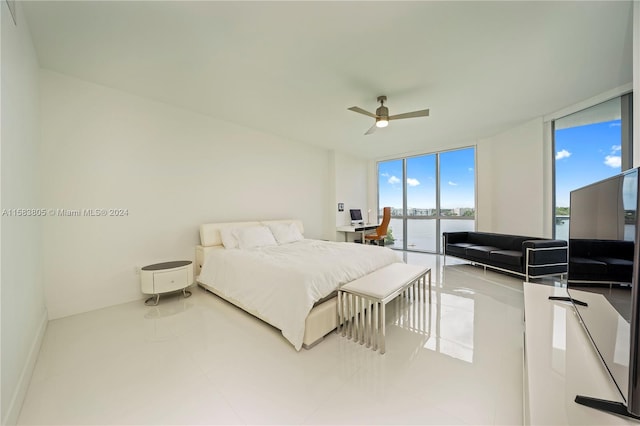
(413, 182)
(615, 124)
(453, 183)
(613, 161)
(393, 180)
(470, 169)
(385, 175)
(562, 154)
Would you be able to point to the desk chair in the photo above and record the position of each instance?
(381, 231)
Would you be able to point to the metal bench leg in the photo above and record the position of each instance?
(382, 328)
(339, 313)
(346, 306)
(376, 325)
(352, 314)
(363, 331)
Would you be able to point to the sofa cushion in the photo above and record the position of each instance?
(481, 252)
(503, 241)
(601, 248)
(458, 248)
(621, 250)
(618, 269)
(509, 257)
(614, 261)
(586, 266)
(456, 237)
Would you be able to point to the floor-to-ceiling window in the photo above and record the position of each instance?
(589, 145)
(428, 194)
(457, 193)
(390, 177)
(421, 203)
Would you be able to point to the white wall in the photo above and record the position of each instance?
(511, 179)
(350, 188)
(24, 316)
(171, 169)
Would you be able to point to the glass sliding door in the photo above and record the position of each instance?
(457, 191)
(458, 183)
(421, 202)
(395, 233)
(391, 194)
(421, 235)
(429, 194)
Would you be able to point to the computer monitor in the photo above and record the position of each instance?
(356, 215)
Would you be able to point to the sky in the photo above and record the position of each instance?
(586, 154)
(583, 155)
(457, 171)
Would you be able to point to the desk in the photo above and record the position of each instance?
(354, 229)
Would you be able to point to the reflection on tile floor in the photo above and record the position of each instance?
(202, 361)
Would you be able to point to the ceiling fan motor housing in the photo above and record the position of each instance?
(382, 111)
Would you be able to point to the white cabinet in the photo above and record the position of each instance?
(166, 277)
(560, 362)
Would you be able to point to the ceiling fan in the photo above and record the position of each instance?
(382, 115)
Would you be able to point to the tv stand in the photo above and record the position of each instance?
(568, 299)
(613, 407)
(560, 363)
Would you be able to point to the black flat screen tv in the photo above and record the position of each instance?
(603, 259)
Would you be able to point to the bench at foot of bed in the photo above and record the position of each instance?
(361, 303)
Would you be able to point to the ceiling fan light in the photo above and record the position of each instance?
(382, 122)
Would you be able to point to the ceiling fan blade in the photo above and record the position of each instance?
(371, 129)
(361, 111)
(422, 113)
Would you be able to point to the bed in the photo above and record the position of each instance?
(271, 271)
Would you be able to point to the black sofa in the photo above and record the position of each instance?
(529, 257)
(600, 261)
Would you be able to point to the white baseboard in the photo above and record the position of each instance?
(11, 417)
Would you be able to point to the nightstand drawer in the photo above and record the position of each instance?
(166, 277)
(171, 280)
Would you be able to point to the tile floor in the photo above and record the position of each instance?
(202, 361)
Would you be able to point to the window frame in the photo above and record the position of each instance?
(438, 217)
(626, 142)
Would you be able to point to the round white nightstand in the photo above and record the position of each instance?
(166, 277)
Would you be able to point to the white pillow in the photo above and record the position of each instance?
(229, 240)
(285, 232)
(254, 236)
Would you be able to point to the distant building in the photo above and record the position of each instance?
(420, 211)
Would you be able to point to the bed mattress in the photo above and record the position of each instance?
(282, 283)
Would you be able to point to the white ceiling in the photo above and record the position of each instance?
(293, 68)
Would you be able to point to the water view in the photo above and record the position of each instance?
(421, 233)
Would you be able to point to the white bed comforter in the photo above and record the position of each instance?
(281, 283)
